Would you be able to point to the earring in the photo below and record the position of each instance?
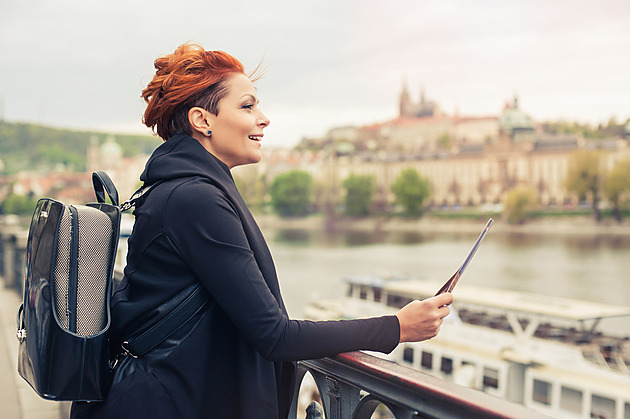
(208, 133)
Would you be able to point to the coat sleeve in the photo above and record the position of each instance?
(207, 232)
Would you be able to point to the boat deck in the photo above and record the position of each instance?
(569, 321)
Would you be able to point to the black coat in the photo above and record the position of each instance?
(236, 359)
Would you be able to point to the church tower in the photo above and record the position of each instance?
(404, 102)
(420, 109)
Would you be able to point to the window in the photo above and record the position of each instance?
(570, 400)
(602, 407)
(377, 294)
(363, 292)
(542, 392)
(408, 355)
(490, 378)
(427, 360)
(350, 290)
(447, 366)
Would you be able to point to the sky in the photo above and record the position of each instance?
(82, 64)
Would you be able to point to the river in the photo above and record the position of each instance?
(312, 263)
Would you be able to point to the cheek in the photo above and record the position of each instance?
(241, 124)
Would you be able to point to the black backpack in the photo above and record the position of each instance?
(63, 323)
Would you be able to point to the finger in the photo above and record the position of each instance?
(444, 310)
(444, 299)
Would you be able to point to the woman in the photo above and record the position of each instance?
(234, 359)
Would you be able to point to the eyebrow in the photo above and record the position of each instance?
(254, 98)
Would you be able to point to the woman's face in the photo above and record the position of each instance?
(237, 129)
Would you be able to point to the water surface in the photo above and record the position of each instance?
(311, 264)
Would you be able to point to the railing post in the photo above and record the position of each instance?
(19, 265)
(13, 250)
(334, 396)
(342, 398)
(8, 239)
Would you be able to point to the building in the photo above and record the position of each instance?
(422, 108)
(124, 171)
(77, 187)
(469, 161)
(421, 128)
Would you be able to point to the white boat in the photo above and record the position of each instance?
(546, 353)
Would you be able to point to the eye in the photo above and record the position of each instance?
(248, 106)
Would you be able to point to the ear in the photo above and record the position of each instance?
(200, 120)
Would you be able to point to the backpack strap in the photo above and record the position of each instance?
(138, 196)
(103, 183)
(162, 330)
(196, 301)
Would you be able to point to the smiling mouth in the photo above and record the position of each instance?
(256, 137)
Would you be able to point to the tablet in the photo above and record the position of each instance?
(450, 284)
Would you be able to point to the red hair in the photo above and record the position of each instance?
(187, 78)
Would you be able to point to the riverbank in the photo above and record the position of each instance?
(579, 225)
(564, 224)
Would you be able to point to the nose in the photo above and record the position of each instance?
(263, 121)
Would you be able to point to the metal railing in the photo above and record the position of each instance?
(13, 255)
(352, 385)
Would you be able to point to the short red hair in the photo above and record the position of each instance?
(187, 78)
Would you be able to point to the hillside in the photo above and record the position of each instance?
(38, 147)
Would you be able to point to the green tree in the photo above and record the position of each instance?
(292, 193)
(18, 205)
(617, 186)
(410, 190)
(518, 202)
(359, 194)
(584, 177)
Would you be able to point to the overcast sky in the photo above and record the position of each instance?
(83, 63)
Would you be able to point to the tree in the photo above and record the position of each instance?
(518, 202)
(410, 190)
(291, 193)
(617, 185)
(584, 177)
(28, 146)
(18, 205)
(359, 193)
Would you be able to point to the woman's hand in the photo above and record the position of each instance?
(421, 320)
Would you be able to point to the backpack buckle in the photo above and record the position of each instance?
(126, 350)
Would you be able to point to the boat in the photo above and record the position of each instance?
(547, 353)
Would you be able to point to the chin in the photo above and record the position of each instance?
(250, 160)
(256, 158)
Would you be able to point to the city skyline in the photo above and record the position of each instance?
(82, 65)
